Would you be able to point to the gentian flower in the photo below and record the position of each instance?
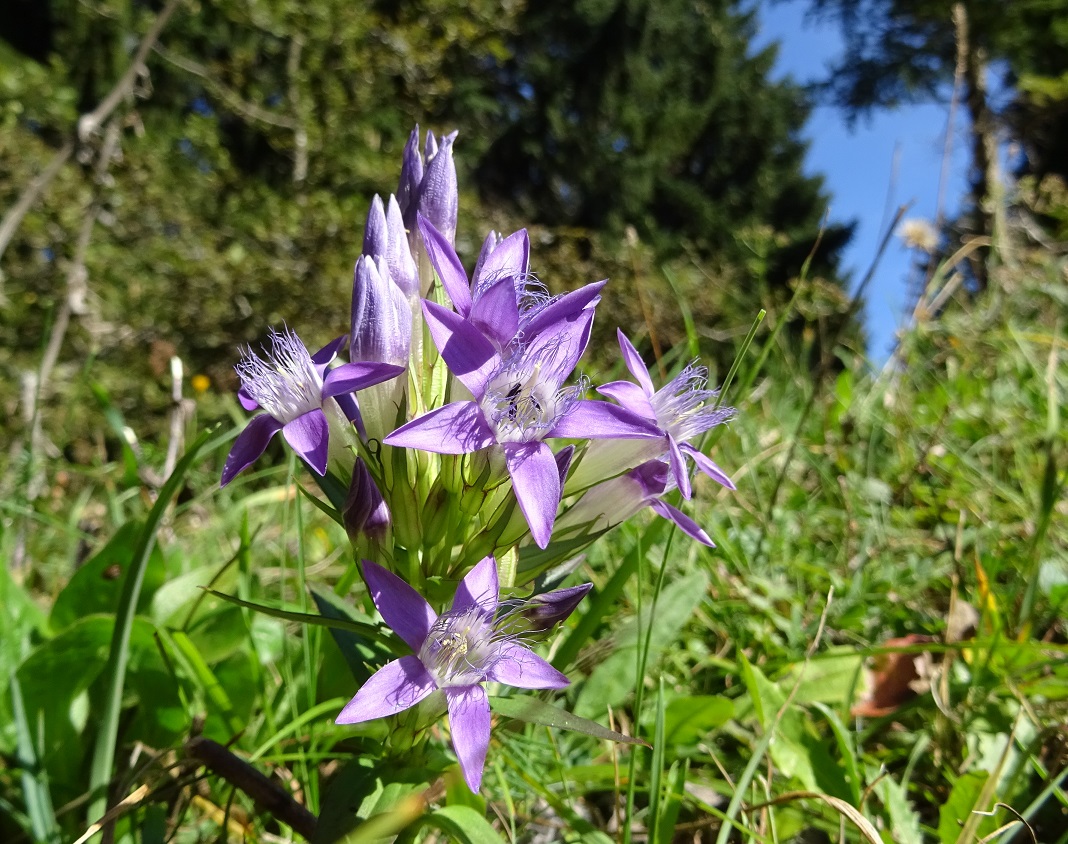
(518, 402)
(614, 501)
(502, 299)
(294, 388)
(455, 652)
(679, 410)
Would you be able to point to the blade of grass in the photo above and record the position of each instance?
(34, 779)
(119, 654)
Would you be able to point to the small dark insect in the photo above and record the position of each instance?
(112, 572)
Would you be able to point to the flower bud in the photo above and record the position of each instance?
(365, 510)
(543, 612)
(381, 316)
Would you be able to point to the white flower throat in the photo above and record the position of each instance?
(521, 409)
(461, 647)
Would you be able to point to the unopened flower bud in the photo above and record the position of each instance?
(365, 510)
(381, 316)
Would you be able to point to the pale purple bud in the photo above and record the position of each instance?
(543, 612)
(399, 255)
(381, 316)
(365, 510)
(411, 175)
(376, 232)
(438, 193)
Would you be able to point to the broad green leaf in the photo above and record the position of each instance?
(904, 819)
(96, 586)
(462, 824)
(962, 801)
(688, 719)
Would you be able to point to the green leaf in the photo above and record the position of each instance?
(957, 809)
(689, 719)
(534, 711)
(97, 586)
(119, 654)
(363, 655)
(463, 824)
(371, 631)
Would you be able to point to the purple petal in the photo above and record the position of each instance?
(381, 315)
(404, 609)
(307, 435)
(563, 343)
(396, 686)
(679, 470)
(478, 588)
(593, 420)
(524, 669)
(543, 612)
(327, 353)
(469, 721)
(566, 307)
(630, 395)
(457, 428)
(246, 400)
(536, 481)
(707, 466)
(488, 245)
(350, 377)
(509, 259)
(465, 350)
(447, 265)
(635, 363)
(496, 312)
(685, 523)
(563, 461)
(249, 445)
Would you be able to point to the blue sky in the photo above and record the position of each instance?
(894, 158)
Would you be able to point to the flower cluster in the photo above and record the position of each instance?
(444, 427)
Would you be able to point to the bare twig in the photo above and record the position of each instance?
(230, 97)
(13, 217)
(87, 125)
(266, 793)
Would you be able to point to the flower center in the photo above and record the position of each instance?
(461, 647)
(521, 409)
(287, 384)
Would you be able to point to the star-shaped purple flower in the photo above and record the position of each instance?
(456, 652)
(679, 409)
(518, 402)
(291, 387)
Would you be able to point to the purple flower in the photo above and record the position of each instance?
(614, 501)
(502, 299)
(456, 652)
(680, 412)
(293, 387)
(518, 402)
